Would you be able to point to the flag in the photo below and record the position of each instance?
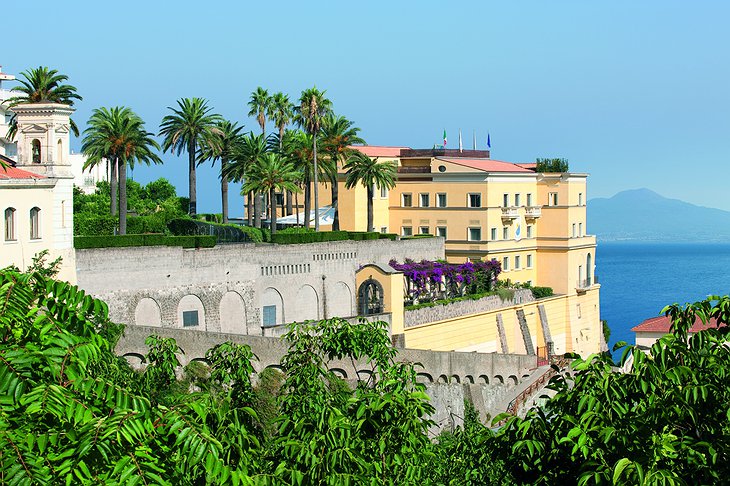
(489, 141)
(444, 138)
(461, 148)
(518, 232)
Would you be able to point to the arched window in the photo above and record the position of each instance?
(35, 146)
(370, 298)
(10, 224)
(59, 150)
(35, 223)
(589, 269)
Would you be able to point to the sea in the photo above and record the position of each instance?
(639, 279)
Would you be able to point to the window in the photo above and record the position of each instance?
(383, 229)
(529, 261)
(269, 315)
(406, 231)
(35, 226)
(475, 200)
(517, 200)
(529, 199)
(552, 199)
(475, 234)
(10, 224)
(505, 233)
(279, 199)
(441, 231)
(406, 200)
(494, 234)
(370, 298)
(383, 193)
(580, 229)
(505, 264)
(190, 318)
(573, 230)
(505, 200)
(529, 231)
(425, 200)
(423, 230)
(517, 262)
(441, 200)
(580, 199)
(35, 151)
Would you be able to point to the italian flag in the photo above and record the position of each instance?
(445, 140)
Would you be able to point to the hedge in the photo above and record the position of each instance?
(541, 292)
(138, 225)
(107, 241)
(95, 224)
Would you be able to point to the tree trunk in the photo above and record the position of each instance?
(335, 190)
(113, 184)
(307, 200)
(289, 208)
(249, 211)
(288, 196)
(192, 208)
(316, 184)
(370, 207)
(123, 197)
(272, 197)
(224, 191)
(296, 204)
(257, 201)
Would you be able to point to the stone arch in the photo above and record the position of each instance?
(484, 379)
(191, 313)
(469, 379)
(339, 372)
(340, 302)
(35, 151)
(276, 367)
(307, 304)
(424, 378)
(455, 379)
(364, 375)
(525, 376)
(513, 379)
(370, 298)
(443, 379)
(498, 379)
(148, 313)
(232, 313)
(135, 360)
(272, 307)
(59, 151)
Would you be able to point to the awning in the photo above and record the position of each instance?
(326, 217)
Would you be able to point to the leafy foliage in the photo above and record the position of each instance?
(551, 165)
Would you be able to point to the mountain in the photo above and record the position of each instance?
(644, 215)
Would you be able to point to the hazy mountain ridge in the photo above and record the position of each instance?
(644, 215)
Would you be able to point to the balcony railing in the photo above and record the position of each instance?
(510, 213)
(586, 283)
(533, 212)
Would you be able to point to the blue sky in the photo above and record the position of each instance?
(635, 93)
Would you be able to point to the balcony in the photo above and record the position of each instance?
(586, 283)
(533, 212)
(414, 170)
(510, 213)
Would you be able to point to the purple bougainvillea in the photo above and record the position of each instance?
(428, 280)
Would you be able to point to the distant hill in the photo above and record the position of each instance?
(644, 215)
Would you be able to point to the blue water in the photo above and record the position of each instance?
(639, 279)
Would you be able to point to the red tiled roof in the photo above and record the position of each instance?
(15, 173)
(528, 165)
(488, 165)
(379, 150)
(662, 324)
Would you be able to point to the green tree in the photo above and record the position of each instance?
(223, 146)
(370, 173)
(118, 134)
(247, 152)
(271, 173)
(42, 85)
(551, 165)
(313, 107)
(189, 127)
(298, 149)
(282, 113)
(338, 135)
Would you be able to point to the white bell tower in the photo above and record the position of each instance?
(43, 138)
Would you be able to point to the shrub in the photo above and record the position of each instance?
(108, 241)
(388, 236)
(146, 224)
(254, 234)
(541, 292)
(551, 165)
(182, 226)
(87, 224)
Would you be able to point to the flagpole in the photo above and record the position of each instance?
(474, 139)
(461, 147)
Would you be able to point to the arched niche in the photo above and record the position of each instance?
(147, 313)
(370, 298)
(59, 151)
(307, 304)
(589, 269)
(232, 313)
(35, 151)
(191, 313)
(272, 308)
(340, 302)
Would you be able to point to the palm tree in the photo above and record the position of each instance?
(281, 112)
(42, 85)
(363, 169)
(250, 149)
(189, 127)
(118, 134)
(271, 173)
(298, 149)
(259, 105)
(223, 146)
(338, 134)
(313, 107)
